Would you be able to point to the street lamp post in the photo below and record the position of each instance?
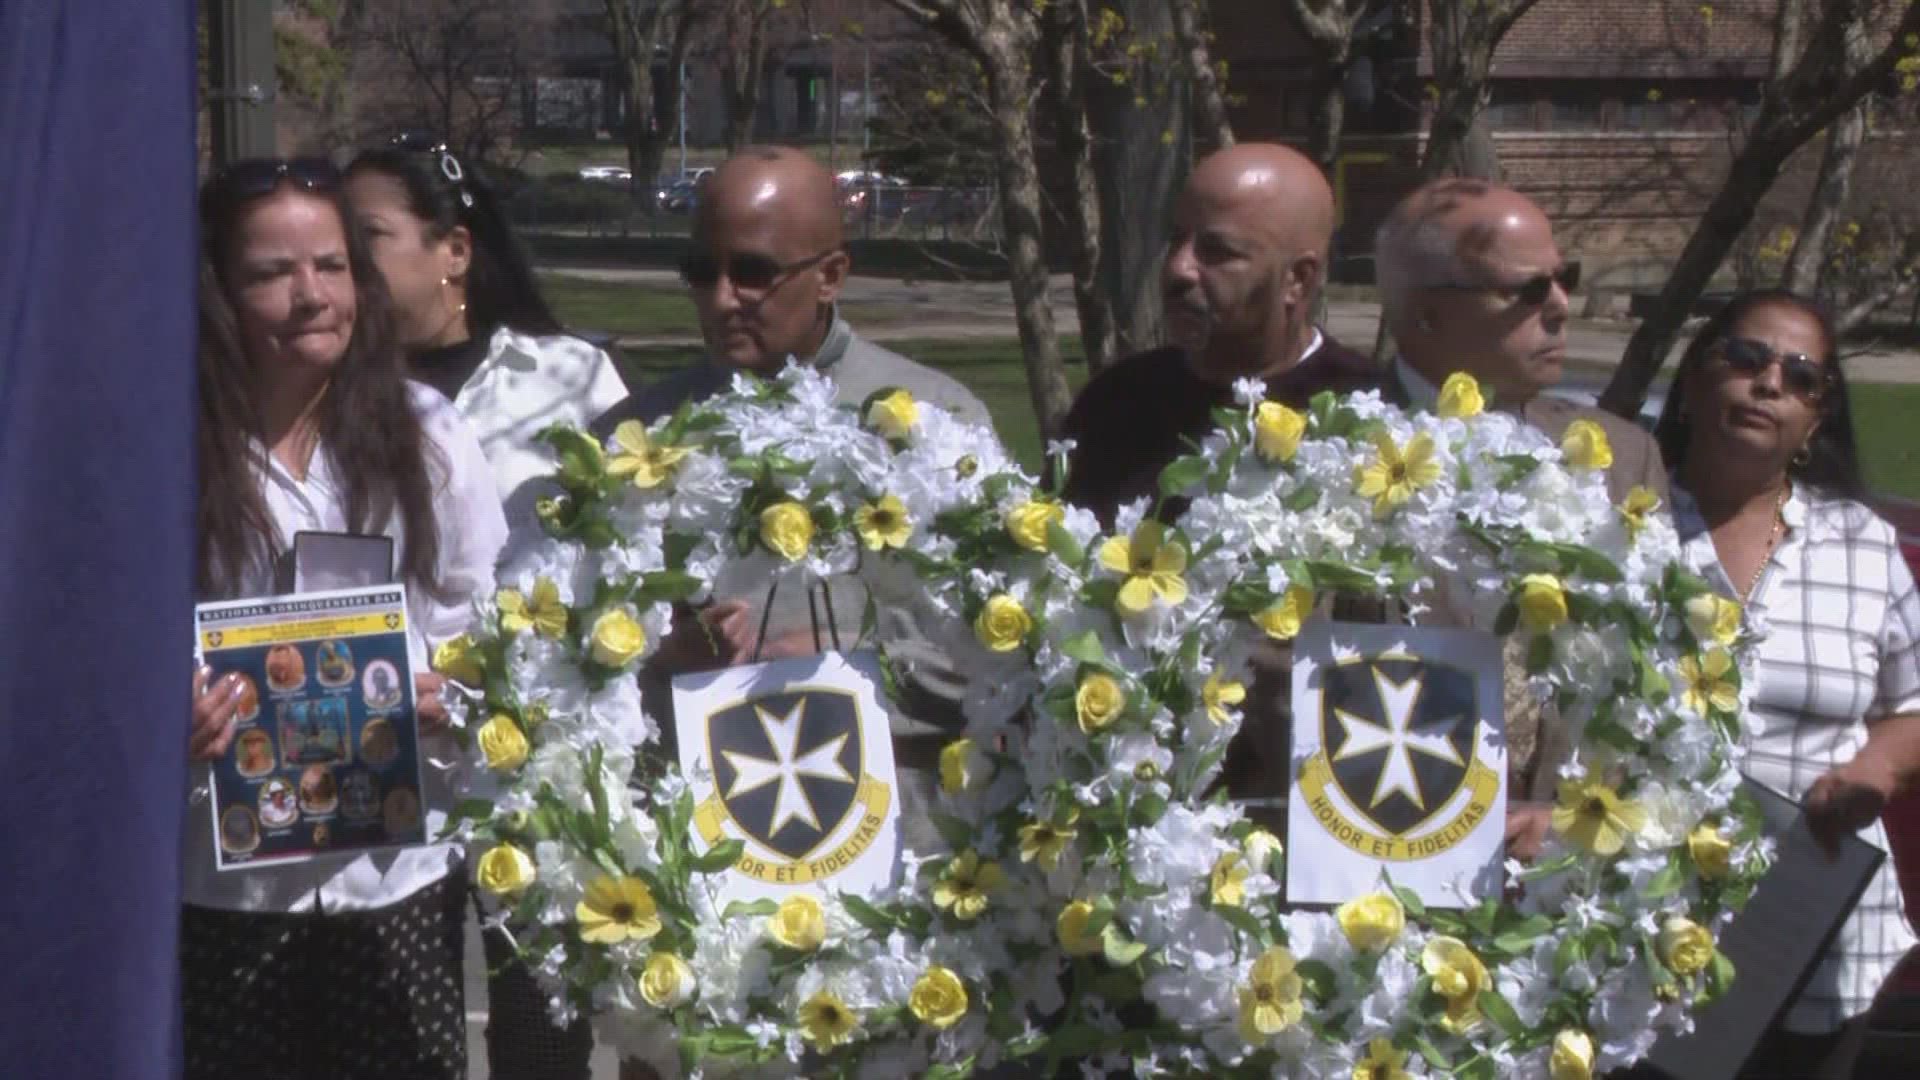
(240, 101)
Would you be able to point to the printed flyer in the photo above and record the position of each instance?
(325, 759)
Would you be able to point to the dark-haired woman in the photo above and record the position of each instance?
(1759, 437)
(470, 313)
(343, 966)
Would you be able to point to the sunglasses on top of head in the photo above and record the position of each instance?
(1533, 291)
(450, 167)
(255, 177)
(1801, 374)
(747, 271)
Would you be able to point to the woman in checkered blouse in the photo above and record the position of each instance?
(1758, 435)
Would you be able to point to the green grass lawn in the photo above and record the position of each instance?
(1883, 419)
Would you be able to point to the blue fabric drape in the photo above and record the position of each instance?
(97, 276)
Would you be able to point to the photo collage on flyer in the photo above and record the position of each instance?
(325, 758)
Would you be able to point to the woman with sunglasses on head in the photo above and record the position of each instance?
(470, 314)
(1759, 437)
(342, 966)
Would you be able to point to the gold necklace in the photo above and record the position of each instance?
(1775, 529)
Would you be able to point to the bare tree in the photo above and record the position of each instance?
(1820, 86)
(745, 52)
(1209, 98)
(1002, 35)
(643, 32)
(1331, 25)
(465, 60)
(1067, 33)
(1463, 35)
(1806, 266)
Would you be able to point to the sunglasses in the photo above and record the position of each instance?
(1801, 374)
(1534, 291)
(748, 272)
(255, 177)
(450, 167)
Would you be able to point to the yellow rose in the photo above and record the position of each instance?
(1585, 446)
(1277, 431)
(1028, 522)
(1282, 620)
(1458, 977)
(1572, 1056)
(1710, 852)
(1714, 619)
(799, 923)
(506, 869)
(1098, 702)
(1460, 397)
(501, 740)
(458, 659)
(667, 982)
(1543, 603)
(1003, 624)
(894, 415)
(1071, 927)
(939, 998)
(963, 767)
(786, 528)
(617, 639)
(1685, 946)
(1373, 921)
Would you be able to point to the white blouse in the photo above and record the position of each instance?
(471, 532)
(1841, 653)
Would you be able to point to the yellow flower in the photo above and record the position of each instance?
(459, 659)
(1594, 816)
(1220, 696)
(1282, 620)
(501, 741)
(1277, 431)
(1710, 851)
(1270, 1002)
(1373, 921)
(648, 463)
(666, 982)
(1151, 564)
(1261, 847)
(1460, 397)
(1028, 522)
(965, 888)
(1044, 841)
(1071, 927)
(962, 767)
(1382, 1062)
(826, 1021)
(617, 909)
(938, 998)
(883, 524)
(506, 869)
(894, 415)
(617, 639)
(546, 615)
(1685, 946)
(1458, 977)
(786, 528)
(798, 923)
(1003, 624)
(1396, 473)
(1637, 507)
(1585, 446)
(1227, 883)
(1572, 1057)
(1708, 682)
(1543, 603)
(1098, 702)
(1714, 619)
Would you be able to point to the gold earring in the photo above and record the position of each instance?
(1802, 457)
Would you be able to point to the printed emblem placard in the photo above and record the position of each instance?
(794, 758)
(1399, 759)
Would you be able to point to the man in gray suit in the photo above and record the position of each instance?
(1471, 280)
(765, 272)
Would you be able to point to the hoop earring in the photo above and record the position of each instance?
(1802, 457)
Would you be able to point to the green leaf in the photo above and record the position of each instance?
(1509, 617)
(1182, 474)
(1520, 936)
(1086, 648)
(864, 913)
(1667, 882)
(1569, 952)
(1496, 1009)
(1480, 1068)
(1411, 901)
(1247, 923)
(1327, 574)
(1318, 979)
(742, 909)
(959, 1071)
(1305, 496)
(668, 585)
(720, 856)
(1063, 546)
(1119, 949)
(1539, 654)
(958, 834)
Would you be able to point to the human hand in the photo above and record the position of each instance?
(216, 704)
(1848, 798)
(1527, 826)
(429, 708)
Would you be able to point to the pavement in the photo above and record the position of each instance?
(906, 310)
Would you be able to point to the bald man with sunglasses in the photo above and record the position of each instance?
(1471, 280)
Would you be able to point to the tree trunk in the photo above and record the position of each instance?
(636, 35)
(1009, 86)
(1069, 59)
(1813, 246)
(1330, 120)
(1209, 102)
(1903, 280)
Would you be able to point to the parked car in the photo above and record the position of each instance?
(606, 173)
